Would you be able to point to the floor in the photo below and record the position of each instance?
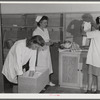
(49, 89)
(58, 89)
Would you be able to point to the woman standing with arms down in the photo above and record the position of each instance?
(44, 57)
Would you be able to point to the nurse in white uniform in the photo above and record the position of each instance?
(93, 56)
(20, 53)
(44, 57)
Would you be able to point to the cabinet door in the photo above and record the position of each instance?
(69, 70)
(84, 70)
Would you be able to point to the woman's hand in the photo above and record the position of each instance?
(31, 73)
(49, 43)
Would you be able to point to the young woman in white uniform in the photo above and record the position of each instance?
(20, 53)
(93, 56)
(44, 57)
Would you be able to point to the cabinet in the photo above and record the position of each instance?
(72, 69)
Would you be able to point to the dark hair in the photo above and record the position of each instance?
(43, 18)
(37, 39)
(87, 17)
(97, 20)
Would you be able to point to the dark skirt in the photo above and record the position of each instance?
(94, 70)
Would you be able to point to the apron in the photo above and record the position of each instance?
(44, 57)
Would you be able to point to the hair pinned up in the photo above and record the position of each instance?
(36, 40)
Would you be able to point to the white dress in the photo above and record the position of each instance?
(18, 56)
(93, 56)
(44, 57)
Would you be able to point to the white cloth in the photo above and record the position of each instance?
(18, 56)
(85, 41)
(93, 56)
(44, 57)
(87, 26)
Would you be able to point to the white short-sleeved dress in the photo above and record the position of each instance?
(93, 56)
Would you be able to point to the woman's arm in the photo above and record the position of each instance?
(32, 60)
(18, 63)
(93, 34)
(32, 63)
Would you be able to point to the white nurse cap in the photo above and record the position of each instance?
(38, 18)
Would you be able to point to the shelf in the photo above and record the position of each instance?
(30, 27)
(16, 26)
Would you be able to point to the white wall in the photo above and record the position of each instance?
(47, 8)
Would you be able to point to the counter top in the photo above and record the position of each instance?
(69, 50)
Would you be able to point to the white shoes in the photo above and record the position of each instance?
(51, 84)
